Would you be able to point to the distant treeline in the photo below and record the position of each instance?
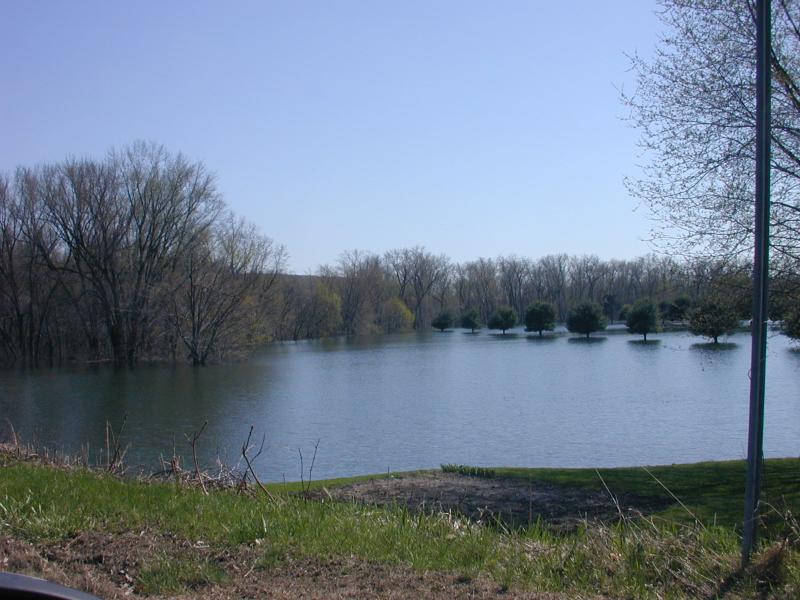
(407, 288)
(135, 257)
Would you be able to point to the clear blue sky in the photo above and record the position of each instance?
(472, 128)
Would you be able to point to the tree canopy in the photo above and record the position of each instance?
(642, 318)
(442, 321)
(791, 324)
(471, 320)
(586, 318)
(540, 317)
(712, 319)
(503, 318)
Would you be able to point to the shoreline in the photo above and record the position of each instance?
(398, 535)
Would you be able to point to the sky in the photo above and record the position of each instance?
(474, 129)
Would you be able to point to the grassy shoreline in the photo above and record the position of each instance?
(713, 490)
(679, 552)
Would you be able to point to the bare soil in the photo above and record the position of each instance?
(513, 502)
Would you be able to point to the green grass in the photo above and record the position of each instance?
(470, 471)
(638, 559)
(713, 491)
(166, 574)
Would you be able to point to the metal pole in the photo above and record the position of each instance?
(758, 353)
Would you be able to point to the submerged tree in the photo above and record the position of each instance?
(306, 308)
(712, 319)
(219, 273)
(442, 321)
(396, 316)
(791, 325)
(471, 320)
(623, 312)
(540, 316)
(586, 318)
(123, 223)
(503, 318)
(417, 274)
(29, 291)
(358, 279)
(642, 318)
(680, 308)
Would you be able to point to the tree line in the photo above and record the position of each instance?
(130, 257)
(710, 318)
(135, 257)
(408, 288)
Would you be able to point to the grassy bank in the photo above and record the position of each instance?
(662, 556)
(710, 492)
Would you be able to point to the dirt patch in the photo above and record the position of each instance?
(511, 501)
(109, 567)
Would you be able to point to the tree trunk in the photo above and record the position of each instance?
(117, 345)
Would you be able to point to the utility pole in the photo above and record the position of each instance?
(758, 352)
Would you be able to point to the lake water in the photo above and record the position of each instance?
(419, 400)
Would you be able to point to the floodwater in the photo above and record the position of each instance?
(419, 400)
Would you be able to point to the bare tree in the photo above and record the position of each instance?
(28, 289)
(553, 271)
(219, 272)
(428, 270)
(400, 266)
(122, 224)
(172, 203)
(695, 107)
(482, 290)
(358, 279)
(418, 274)
(310, 308)
(585, 274)
(514, 277)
